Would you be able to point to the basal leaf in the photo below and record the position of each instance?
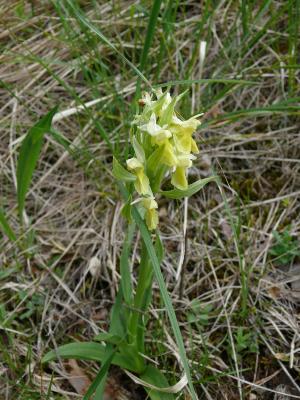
(90, 351)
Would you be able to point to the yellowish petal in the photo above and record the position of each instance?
(168, 157)
(151, 218)
(189, 126)
(185, 160)
(179, 178)
(133, 164)
(142, 185)
(149, 203)
(183, 142)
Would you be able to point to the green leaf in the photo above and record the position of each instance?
(6, 227)
(120, 173)
(93, 352)
(156, 378)
(29, 154)
(192, 189)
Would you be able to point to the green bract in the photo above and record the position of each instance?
(163, 145)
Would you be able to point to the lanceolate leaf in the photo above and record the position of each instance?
(29, 154)
(192, 189)
(90, 351)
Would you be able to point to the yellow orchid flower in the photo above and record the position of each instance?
(158, 134)
(179, 180)
(142, 185)
(182, 134)
(151, 215)
(168, 156)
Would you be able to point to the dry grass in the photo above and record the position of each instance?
(62, 286)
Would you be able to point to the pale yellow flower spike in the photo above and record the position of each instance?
(158, 127)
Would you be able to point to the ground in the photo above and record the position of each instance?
(237, 295)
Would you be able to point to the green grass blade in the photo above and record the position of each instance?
(293, 28)
(148, 40)
(6, 227)
(29, 154)
(245, 16)
(279, 108)
(205, 81)
(104, 39)
(150, 33)
(98, 383)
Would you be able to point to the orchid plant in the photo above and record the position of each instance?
(163, 150)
